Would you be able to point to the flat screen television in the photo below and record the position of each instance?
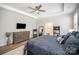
(21, 26)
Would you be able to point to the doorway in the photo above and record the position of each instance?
(48, 28)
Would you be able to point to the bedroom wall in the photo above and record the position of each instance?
(76, 13)
(8, 20)
(64, 21)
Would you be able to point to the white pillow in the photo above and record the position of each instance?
(60, 39)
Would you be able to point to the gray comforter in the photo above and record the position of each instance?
(44, 45)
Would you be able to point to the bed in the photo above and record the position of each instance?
(48, 45)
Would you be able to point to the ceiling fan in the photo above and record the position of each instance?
(37, 9)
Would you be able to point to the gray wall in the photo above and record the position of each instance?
(76, 11)
(64, 21)
(8, 20)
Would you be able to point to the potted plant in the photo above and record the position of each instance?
(8, 34)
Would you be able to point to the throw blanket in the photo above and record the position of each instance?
(44, 45)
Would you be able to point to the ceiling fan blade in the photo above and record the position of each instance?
(31, 8)
(42, 10)
(32, 11)
(37, 8)
(40, 6)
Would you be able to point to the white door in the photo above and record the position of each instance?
(48, 28)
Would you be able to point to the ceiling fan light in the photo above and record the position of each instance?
(36, 11)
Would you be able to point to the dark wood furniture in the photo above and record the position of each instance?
(56, 30)
(20, 36)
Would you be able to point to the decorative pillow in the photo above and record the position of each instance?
(63, 36)
(77, 35)
(74, 33)
(71, 45)
(66, 37)
(60, 39)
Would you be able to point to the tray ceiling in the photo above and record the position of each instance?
(52, 9)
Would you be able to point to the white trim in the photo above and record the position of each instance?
(16, 10)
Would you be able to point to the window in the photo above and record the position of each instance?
(76, 21)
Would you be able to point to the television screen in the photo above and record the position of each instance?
(21, 26)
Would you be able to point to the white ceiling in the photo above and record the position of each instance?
(52, 9)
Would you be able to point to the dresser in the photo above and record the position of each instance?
(20, 36)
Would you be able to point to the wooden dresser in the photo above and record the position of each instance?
(20, 36)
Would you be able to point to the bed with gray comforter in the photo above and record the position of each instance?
(49, 45)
